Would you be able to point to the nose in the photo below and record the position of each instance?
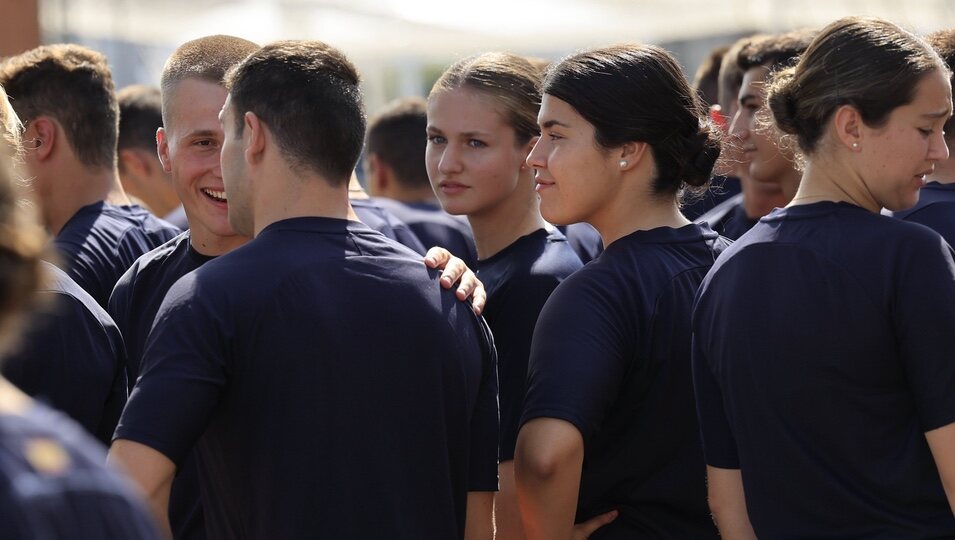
(450, 161)
(537, 158)
(938, 150)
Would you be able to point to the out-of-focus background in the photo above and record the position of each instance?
(401, 46)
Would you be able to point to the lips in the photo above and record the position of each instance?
(452, 188)
(215, 195)
(543, 185)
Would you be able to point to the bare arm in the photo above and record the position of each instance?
(547, 465)
(152, 471)
(942, 443)
(479, 522)
(728, 503)
(454, 271)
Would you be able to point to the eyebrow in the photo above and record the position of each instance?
(551, 123)
(940, 114)
(432, 129)
(202, 133)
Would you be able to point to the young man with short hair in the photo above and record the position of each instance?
(314, 361)
(64, 96)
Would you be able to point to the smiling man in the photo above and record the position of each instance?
(294, 360)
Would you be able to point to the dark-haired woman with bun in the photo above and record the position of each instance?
(609, 434)
(823, 358)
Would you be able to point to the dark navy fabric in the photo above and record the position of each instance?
(435, 227)
(584, 239)
(721, 189)
(935, 210)
(334, 388)
(729, 218)
(71, 356)
(372, 214)
(133, 305)
(54, 485)
(519, 279)
(101, 241)
(822, 354)
(611, 355)
(140, 291)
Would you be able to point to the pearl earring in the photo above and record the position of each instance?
(855, 145)
(623, 163)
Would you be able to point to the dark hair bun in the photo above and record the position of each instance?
(782, 101)
(702, 152)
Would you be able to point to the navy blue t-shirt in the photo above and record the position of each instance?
(584, 239)
(823, 352)
(54, 485)
(721, 189)
(334, 388)
(729, 218)
(140, 291)
(71, 356)
(611, 355)
(133, 305)
(519, 279)
(935, 209)
(435, 227)
(102, 240)
(372, 214)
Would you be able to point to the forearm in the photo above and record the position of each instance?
(480, 522)
(151, 472)
(941, 441)
(728, 504)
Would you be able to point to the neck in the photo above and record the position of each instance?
(83, 187)
(648, 213)
(516, 216)
(212, 245)
(821, 181)
(291, 195)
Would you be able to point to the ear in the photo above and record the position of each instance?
(45, 132)
(131, 161)
(631, 154)
(527, 150)
(253, 136)
(378, 174)
(848, 125)
(162, 148)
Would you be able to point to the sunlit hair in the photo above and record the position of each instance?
(207, 59)
(638, 93)
(22, 240)
(73, 85)
(510, 82)
(869, 64)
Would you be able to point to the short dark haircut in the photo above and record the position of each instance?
(774, 51)
(870, 64)
(943, 42)
(73, 85)
(706, 80)
(731, 76)
(638, 93)
(140, 115)
(397, 136)
(206, 58)
(308, 95)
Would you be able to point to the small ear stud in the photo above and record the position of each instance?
(855, 145)
(623, 163)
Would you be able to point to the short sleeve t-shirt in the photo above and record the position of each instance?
(133, 305)
(935, 210)
(337, 389)
(139, 293)
(54, 485)
(518, 279)
(372, 214)
(71, 356)
(729, 218)
(102, 240)
(822, 354)
(611, 355)
(435, 227)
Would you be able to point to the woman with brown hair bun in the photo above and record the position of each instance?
(823, 337)
(609, 439)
